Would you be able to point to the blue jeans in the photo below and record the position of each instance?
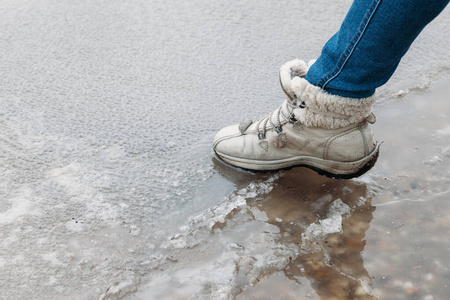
(368, 47)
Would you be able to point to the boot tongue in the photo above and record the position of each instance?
(282, 118)
(245, 124)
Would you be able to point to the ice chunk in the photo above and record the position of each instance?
(402, 93)
(322, 201)
(432, 161)
(121, 289)
(339, 207)
(446, 151)
(332, 224)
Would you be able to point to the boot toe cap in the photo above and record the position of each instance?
(224, 141)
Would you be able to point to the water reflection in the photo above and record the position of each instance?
(326, 221)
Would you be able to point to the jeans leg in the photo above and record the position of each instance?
(368, 47)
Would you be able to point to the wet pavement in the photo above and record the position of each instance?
(109, 188)
(394, 244)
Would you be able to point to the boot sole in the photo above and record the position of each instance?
(329, 168)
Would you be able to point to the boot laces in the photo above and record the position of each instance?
(281, 119)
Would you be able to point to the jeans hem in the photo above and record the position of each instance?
(351, 47)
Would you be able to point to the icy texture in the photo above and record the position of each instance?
(107, 114)
(332, 224)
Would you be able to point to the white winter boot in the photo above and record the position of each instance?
(327, 133)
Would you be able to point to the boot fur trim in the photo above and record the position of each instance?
(329, 111)
(321, 109)
(291, 69)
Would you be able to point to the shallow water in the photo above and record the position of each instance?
(109, 188)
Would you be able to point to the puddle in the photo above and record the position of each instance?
(298, 234)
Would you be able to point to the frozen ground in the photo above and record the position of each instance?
(109, 188)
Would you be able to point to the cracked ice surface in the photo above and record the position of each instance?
(107, 183)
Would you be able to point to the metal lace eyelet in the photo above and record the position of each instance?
(261, 136)
(279, 129)
(302, 105)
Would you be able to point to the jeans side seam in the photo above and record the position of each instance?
(351, 47)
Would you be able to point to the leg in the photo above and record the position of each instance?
(367, 49)
(324, 124)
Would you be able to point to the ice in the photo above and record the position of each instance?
(52, 258)
(18, 207)
(74, 225)
(432, 161)
(444, 131)
(320, 203)
(119, 290)
(2, 262)
(446, 151)
(218, 214)
(236, 246)
(338, 206)
(332, 224)
(107, 114)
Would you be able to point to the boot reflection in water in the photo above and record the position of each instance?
(326, 220)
